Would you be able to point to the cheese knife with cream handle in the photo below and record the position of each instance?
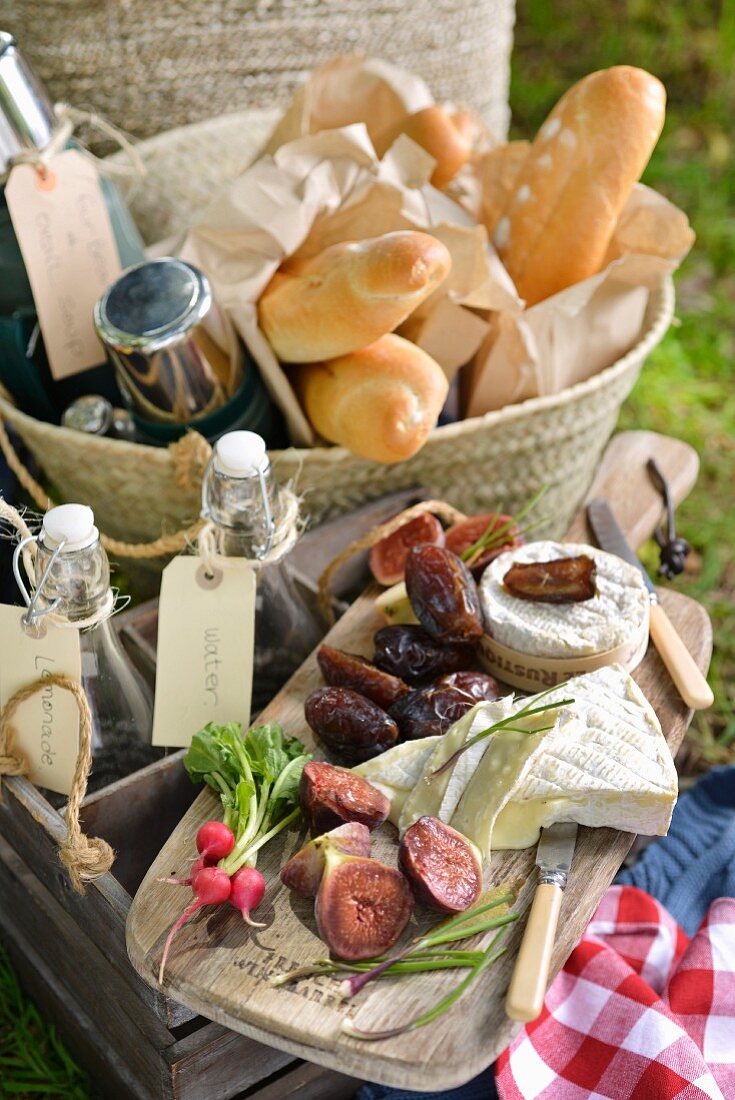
(688, 680)
(528, 985)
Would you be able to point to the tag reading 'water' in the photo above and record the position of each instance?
(69, 250)
(47, 724)
(204, 664)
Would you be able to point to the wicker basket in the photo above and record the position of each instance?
(149, 66)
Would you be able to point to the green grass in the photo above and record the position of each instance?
(686, 388)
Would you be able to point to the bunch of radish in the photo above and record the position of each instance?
(212, 885)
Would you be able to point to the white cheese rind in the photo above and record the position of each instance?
(397, 771)
(616, 615)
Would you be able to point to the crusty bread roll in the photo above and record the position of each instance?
(380, 402)
(578, 174)
(349, 295)
(449, 139)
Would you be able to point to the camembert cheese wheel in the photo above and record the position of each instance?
(616, 616)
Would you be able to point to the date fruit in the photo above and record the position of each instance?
(330, 796)
(443, 594)
(387, 559)
(480, 686)
(563, 580)
(353, 727)
(409, 652)
(348, 670)
(303, 872)
(467, 532)
(430, 711)
(362, 907)
(443, 867)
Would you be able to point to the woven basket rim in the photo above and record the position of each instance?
(173, 137)
(660, 310)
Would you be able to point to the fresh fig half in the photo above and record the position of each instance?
(303, 872)
(362, 907)
(330, 796)
(467, 532)
(442, 865)
(387, 559)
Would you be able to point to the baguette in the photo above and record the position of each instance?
(449, 139)
(349, 295)
(576, 179)
(380, 402)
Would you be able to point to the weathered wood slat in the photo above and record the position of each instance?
(215, 1062)
(219, 966)
(308, 1082)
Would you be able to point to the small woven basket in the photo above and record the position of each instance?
(502, 458)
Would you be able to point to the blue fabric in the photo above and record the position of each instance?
(695, 863)
(685, 871)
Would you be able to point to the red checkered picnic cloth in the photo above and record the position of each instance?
(639, 1012)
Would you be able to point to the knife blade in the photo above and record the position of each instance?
(687, 678)
(528, 985)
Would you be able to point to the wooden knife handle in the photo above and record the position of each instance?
(528, 985)
(689, 681)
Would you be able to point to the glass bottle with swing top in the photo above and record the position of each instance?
(73, 580)
(241, 498)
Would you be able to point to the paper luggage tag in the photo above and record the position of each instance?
(204, 664)
(69, 250)
(47, 724)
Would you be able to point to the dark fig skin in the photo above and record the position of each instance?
(479, 686)
(362, 908)
(331, 796)
(409, 652)
(387, 559)
(443, 594)
(430, 711)
(350, 725)
(348, 670)
(444, 869)
(466, 533)
(303, 872)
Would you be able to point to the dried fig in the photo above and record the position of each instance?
(362, 906)
(351, 725)
(387, 558)
(479, 686)
(430, 711)
(303, 872)
(563, 580)
(348, 670)
(443, 867)
(468, 532)
(331, 796)
(443, 594)
(409, 652)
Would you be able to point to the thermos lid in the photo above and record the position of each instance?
(152, 305)
(26, 113)
(90, 413)
(72, 524)
(240, 454)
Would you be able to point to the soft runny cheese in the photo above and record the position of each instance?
(616, 615)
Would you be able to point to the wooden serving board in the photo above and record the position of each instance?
(220, 967)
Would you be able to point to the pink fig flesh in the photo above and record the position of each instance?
(362, 908)
(444, 869)
(303, 872)
(330, 796)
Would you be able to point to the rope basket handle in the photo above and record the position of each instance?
(85, 858)
(438, 508)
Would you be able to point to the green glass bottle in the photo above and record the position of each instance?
(27, 122)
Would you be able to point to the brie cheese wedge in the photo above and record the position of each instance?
(617, 615)
(397, 771)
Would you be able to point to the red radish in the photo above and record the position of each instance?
(215, 841)
(211, 887)
(248, 887)
(196, 867)
(387, 559)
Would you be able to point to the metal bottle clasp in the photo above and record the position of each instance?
(34, 613)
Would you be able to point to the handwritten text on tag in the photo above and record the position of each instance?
(47, 724)
(204, 664)
(69, 250)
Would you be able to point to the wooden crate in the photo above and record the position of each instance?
(70, 949)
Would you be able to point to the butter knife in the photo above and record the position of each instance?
(687, 678)
(528, 985)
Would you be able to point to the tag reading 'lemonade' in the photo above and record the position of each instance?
(47, 724)
(204, 664)
(69, 250)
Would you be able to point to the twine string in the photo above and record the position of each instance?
(85, 858)
(438, 508)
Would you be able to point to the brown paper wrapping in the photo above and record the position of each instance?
(330, 187)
